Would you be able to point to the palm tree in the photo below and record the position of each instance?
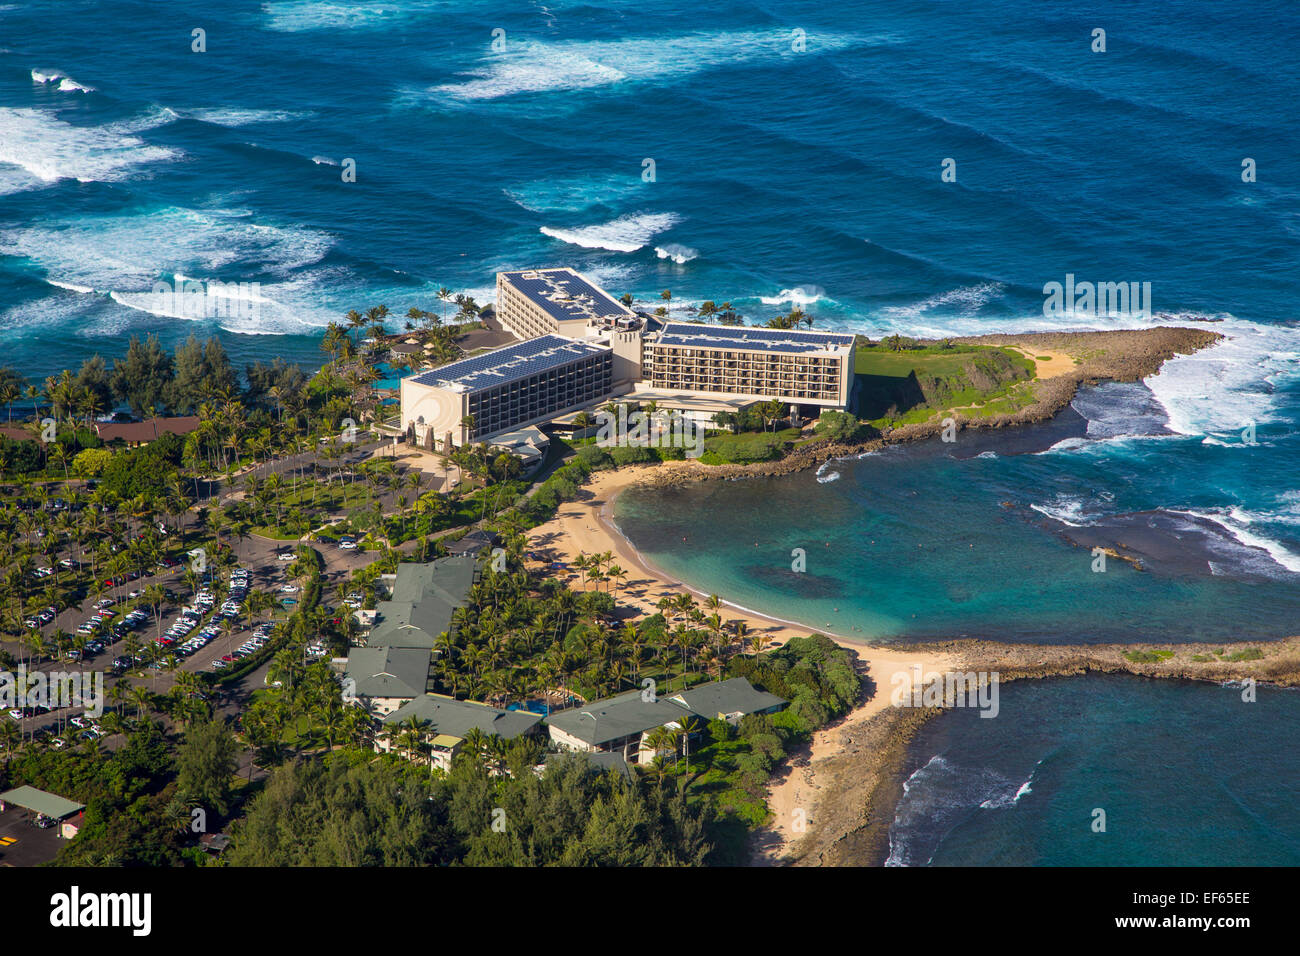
(689, 725)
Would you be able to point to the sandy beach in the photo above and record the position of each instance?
(586, 526)
(832, 799)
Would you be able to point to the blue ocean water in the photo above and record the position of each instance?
(1174, 767)
(786, 169)
(992, 536)
(797, 150)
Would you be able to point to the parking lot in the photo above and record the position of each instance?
(265, 572)
(22, 843)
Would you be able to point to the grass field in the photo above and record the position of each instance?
(914, 384)
(747, 446)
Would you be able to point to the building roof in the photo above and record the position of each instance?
(510, 363)
(449, 717)
(567, 296)
(388, 671)
(752, 339)
(472, 543)
(448, 579)
(719, 698)
(598, 760)
(147, 430)
(424, 598)
(602, 721)
(41, 801)
(690, 401)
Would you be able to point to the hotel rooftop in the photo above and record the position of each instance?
(786, 341)
(566, 296)
(509, 363)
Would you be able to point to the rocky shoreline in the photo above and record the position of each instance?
(1120, 356)
(859, 786)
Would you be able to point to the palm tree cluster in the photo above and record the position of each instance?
(522, 635)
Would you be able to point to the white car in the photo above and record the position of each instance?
(285, 556)
(288, 589)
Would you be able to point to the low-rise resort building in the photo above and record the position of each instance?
(621, 725)
(443, 723)
(390, 668)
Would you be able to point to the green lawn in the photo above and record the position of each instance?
(913, 385)
(747, 446)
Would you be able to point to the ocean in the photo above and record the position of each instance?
(1106, 771)
(767, 154)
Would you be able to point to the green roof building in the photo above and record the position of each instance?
(445, 723)
(424, 597)
(384, 678)
(619, 724)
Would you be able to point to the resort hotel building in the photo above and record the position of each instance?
(539, 301)
(799, 368)
(581, 348)
(505, 390)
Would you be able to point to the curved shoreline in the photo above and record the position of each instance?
(606, 517)
(1117, 356)
(861, 780)
(846, 783)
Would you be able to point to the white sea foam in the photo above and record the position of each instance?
(46, 149)
(935, 797)
(1004, 800)
(624, 234)
(124, 256)
(1236, 522)
(71, 286)
(800, 295)
(963, 301)
(324, 161)
(531, 66)
(131, 252)
(1218, 391)
(1067, 510)
(677, 252)
(575, 193)
(66, 84)
(297, 16)
(221, 116)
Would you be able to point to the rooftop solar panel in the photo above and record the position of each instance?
(511, 362)
(565, 295)
(758, 339)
